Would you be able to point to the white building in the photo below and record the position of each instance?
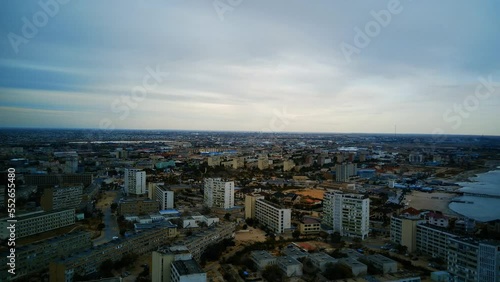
(135, 181)
(37, 222)
(290, 266)
(162, 259)
(187, 271)
(489, 262)
(165, 197)
(262, 259)
(348, 214)
(274, 217)
(218, 193)
(433, 241)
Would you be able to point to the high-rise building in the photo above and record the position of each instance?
(272, 216)
(135, 181)
(433, 240)
(343, 172)
(288, 165)
(161, 268)
(489, 261)
(65, 197)
(462, 258)
(165, 196)
(218, 193)
(250, 204)
(404, 229)
(263, 163)
(348, 214)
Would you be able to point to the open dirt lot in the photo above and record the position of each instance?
(253, 235)
(315, 193)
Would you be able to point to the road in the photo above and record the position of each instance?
(111, 228)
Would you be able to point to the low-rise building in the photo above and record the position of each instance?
(290, 266)
(37, 222)
(262, 259)
(357, 268)
(384, 264)
(198, 242)
(138, 207)
(321, 259)
(309, 226)
(88, 262)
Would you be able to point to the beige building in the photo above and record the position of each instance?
(288, 165)
(250, 204)
(138, 207)
(309, 226)
(404, 231)
(263, 163)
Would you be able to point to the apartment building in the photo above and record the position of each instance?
(62, 197)
(471, 260)
(273, 216)
(250, 200)
(36, 257)
(187, 271)
(198, 242)
(88, 262)
(37, 222)
(218, 193)
(463, 258)
(166, 269)
(348, 214)
(135, 181)
(165, 196)
(343, 172)
(404, 230)
(51, 180)
(138, 207)
(433, 240)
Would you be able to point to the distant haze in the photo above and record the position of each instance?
(424, 66)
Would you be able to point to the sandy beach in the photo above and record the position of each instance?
(437, 201)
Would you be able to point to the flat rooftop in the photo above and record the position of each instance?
(186, 267)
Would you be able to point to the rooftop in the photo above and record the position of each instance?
(186, 267)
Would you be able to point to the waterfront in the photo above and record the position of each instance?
(481, 208)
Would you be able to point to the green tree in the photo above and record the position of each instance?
(227, 216)
(296, 234)
(106, 268)
(337, 271)
(272, 273)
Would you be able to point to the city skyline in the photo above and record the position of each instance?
(252, 66)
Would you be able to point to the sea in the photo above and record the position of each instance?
(482, 208)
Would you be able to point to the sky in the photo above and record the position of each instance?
(428, 67)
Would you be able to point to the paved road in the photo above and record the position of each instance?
(111, 228)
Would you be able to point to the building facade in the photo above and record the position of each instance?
(65, 197)
(165, 197)
(404, 231)
(218, 193)
(433, 241)
(37, 222)
(138, 207)
(135, 181)
(250, 204)
(348, 214)
(272, 216)
(36, 257)
(343, 172)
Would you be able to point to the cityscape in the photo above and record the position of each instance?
(233, 140)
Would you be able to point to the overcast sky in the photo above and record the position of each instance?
(252, 65)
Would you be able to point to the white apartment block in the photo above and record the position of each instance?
(274, 217)
(462, 259)
(433, 241)
(37, 222)
(218, 193)
(165, 197)
(135, 181)
(489, 262)
(348, 214)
